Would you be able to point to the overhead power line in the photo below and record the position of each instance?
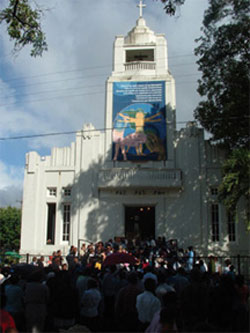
(51, 98)
(72, 79)
(45, 99)
(77, 78)
(57, 81)
(53, 91)
(82, 69)
(76, 88)
(32, 136)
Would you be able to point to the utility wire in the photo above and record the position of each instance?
(78, 78)
(31, 136)
(52, 98)
(56, 73)
(75, 88)
(83, 69)
(53, 91)
(76, 95)
(56, 81)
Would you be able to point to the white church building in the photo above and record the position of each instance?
(141, 177)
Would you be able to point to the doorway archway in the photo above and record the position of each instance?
(140, 221)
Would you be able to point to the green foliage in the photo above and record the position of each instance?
(10, 226)
(23, 26)
(171, 6)
(224, 63)
(235, 182)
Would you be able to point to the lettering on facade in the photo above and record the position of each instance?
(136, 192)
(140, 192)
(108, 175)
(120, 192)
(157, 192)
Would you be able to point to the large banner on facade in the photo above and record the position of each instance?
(139, 121)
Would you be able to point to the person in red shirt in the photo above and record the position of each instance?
(7, 322)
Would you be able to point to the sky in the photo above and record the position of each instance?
(65, 88)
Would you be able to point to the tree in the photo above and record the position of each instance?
(10, 225)
(170, 6)
(224, 62)
(224, 111)
(235, 183)
(24, 26)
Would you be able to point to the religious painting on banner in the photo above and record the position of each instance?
(139, 121)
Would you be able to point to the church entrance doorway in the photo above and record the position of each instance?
(139, 222)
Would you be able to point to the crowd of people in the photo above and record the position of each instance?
(124, 286)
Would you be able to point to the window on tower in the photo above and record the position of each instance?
(140, 55)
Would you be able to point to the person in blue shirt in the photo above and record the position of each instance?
(190, 258)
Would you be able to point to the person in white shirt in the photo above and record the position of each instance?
(89, 308)
(147, 304)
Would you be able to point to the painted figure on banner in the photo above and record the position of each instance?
(134, 132)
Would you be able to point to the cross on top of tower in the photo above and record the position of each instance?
(140, 6)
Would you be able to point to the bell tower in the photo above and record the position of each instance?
(140, 99)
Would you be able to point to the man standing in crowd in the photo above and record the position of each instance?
(147, 304)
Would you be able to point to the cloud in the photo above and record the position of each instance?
(10, 185)
(10, 175)
(11, 196)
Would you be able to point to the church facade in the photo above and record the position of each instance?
(141, 177)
